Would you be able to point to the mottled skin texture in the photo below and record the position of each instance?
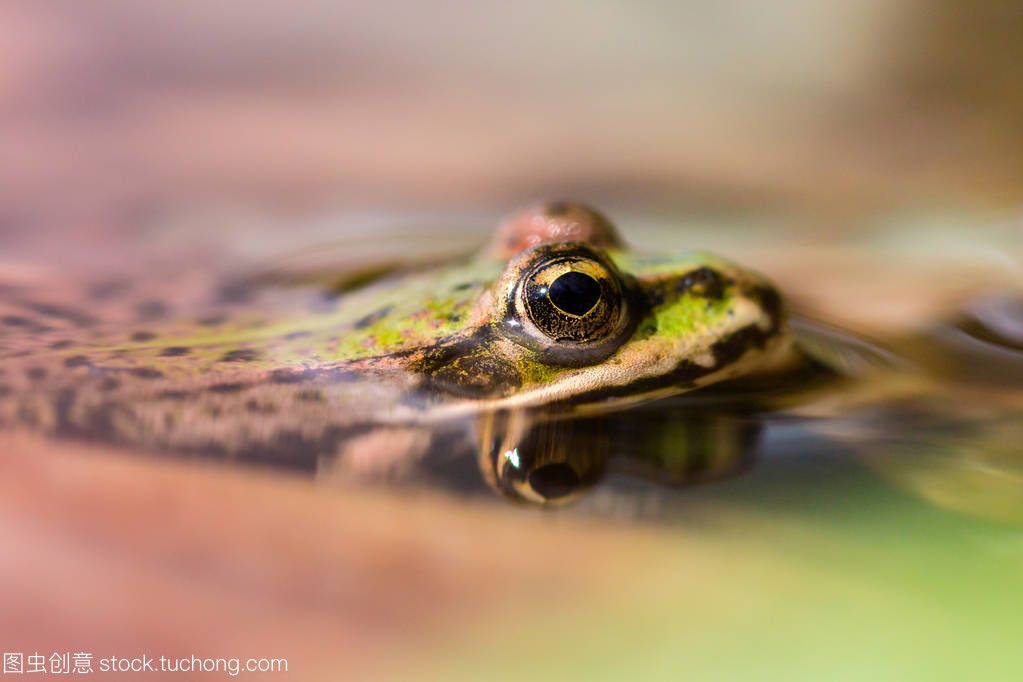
(410, 347)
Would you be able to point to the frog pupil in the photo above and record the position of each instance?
(574, 293)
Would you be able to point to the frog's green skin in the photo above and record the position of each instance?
(411, 347)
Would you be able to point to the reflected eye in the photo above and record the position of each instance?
(570, 303)
(541, 462)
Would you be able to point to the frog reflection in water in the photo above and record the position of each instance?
(545, 342)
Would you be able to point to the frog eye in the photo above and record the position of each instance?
(570, 303)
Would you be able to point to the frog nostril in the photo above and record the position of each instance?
(574, 293)
(553, 481)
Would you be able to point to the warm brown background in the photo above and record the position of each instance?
(118, 107)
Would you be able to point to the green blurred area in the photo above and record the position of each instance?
(809, 568)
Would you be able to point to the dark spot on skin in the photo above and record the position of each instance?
(226, 388)
(5, 390)
(325, 375)
(36, 373)
(71, 315)
(26, 323)
(174, 394)
(109, 384)
(731, 348)
(62, 344)
(297, 335)
(62, 405)
(214, 411)
(256, 407)
(102, 291)
(466, 368)
(771, 302)
(705, 282)
(99, 422)
(357, 280)
(374, 316)
(236, 291)
(28, 416)
(146, 373)
(153, 309)
(175, 351)
(556, 208)
(289, 376)
(76, 361)
(310, 396)
(143, 336)
(239, 355)
(211, 320)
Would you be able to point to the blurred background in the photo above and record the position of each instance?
(117, 106)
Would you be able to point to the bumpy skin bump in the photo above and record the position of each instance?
(272, 373)
(551, 222)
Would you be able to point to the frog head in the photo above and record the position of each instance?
(569, 314)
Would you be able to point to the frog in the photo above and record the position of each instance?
(540, 352)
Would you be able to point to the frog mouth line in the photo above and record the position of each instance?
(732, 355)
